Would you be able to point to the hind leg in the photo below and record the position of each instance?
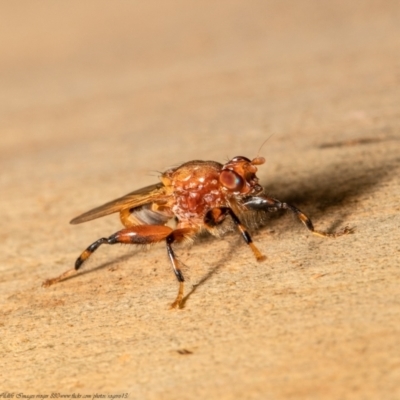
(177, 235)
(144, 234)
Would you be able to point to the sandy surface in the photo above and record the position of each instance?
(97, 97)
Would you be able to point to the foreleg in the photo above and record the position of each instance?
(217, 215)
(268, 204)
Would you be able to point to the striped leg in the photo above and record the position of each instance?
(268, 204)
(143, 234)
(246, 236)
(217, 215)
(177, 235)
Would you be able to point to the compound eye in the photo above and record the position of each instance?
(231, 180)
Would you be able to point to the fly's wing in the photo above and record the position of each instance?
(135, 199)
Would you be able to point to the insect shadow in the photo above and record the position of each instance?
(226, 256)
(334, 188)
(115, 260)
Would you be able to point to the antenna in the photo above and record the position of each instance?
(260, 160)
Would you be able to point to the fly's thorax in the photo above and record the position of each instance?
(196, 189)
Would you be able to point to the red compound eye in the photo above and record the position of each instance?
(231, 180)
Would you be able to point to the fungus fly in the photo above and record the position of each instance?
(198, 195)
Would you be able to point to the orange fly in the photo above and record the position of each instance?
(198, 196)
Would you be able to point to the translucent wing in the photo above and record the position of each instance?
(135, 199)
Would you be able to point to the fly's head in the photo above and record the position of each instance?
(238, 176)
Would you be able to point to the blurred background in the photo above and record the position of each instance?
(146, 85)
(201, 79)
(105, 95)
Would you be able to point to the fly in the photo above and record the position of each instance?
(198, 195)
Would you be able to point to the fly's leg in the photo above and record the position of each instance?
(309, 225)
(177, 236)
(217, 215)
(268, 204)
(246, 235)
(144, 234)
